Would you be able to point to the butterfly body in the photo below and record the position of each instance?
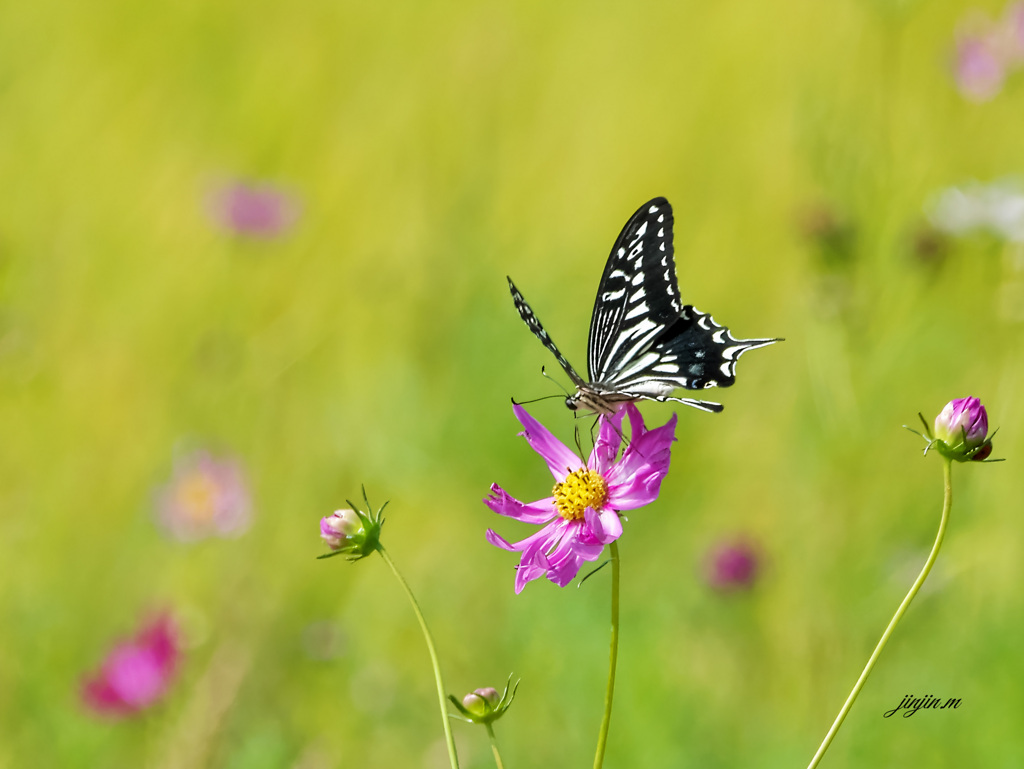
(644, 343)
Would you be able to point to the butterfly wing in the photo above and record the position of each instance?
(693, 353)
(638, 297)
(533, 323)
(643, 342)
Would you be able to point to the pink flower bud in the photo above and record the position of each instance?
(732, 565)
(962, 425)
(338, 527)
(481, 702)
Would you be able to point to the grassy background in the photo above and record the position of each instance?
(436, 148)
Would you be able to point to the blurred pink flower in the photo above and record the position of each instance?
(988, 51)
(582, 515)
(137, 672)
(257, 210)
(978, 68)
(732, 565)
(205, 497)
(1014, 26)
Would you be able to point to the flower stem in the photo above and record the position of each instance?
(494, 747)
(947, 504)
(602, 737)
(452, 755)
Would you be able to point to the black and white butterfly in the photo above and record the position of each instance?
(644, 343)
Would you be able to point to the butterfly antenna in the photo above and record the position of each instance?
(535, 400)
(544, 373)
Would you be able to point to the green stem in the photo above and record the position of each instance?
(947, 505)
(453, 757)
(494, 747)
(602, 737)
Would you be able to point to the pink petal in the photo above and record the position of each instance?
(499, 541)
(563, 564)
(561, 461)
(651, 449)
(503, 503)
(609, 438)
(536, 541)
(605, 526)
(528, 571)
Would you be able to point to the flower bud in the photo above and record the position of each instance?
(351, 532)
(983, 453)
(481, 702)
(338, 527)
(962, 420)
(960, 430)
(482, 706)
(732, 565)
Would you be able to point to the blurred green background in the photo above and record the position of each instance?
(434, 148)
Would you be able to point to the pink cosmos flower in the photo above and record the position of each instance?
(979, 69)
(257, 210)
(582, 514)
(137, 672)
(206, 496)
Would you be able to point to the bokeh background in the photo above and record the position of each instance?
(360, 332)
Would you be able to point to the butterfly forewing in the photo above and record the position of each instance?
(638, 297)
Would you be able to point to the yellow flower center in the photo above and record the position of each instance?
(581, 489)
(197, 495)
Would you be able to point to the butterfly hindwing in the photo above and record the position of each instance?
(694, 353)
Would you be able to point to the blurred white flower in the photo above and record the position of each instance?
(996, 207)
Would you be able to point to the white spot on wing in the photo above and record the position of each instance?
(640, 309)
(666, 368)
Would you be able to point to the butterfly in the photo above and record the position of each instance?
(644, 343)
